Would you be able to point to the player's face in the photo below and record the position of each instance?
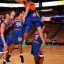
(7, 16)
(13, 13)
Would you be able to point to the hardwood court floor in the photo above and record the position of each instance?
(53, 55)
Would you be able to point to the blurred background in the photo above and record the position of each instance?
(51, 12)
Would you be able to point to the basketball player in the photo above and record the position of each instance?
(17, 33)
(12, 15)
(32, 16)
(4, 37)
(37, 48)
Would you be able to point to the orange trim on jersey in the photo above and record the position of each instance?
(32, 5)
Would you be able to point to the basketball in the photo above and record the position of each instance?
(32, 5)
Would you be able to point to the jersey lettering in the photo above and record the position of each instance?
(36, 36)
(18, 24)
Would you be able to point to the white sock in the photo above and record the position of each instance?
(21, 54)
(10, 54)
(4, 60)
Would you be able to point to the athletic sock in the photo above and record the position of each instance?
(24, 43)
(7, 58)
(22, 58)
(4, 61)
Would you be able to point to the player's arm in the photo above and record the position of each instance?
(45, 37)
(41, 30)
(26, 12)
(2, 34)
(37, 14)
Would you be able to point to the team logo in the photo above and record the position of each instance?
(19, 38)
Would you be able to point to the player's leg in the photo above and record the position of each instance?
(1, 46)
(21, 54)
(35, 51)
(1, 50)
(40, 33)
(41, 59)
(41, 56)
(36, 60)
(38, 24)
(26, 34)
(9, 54)
(4, 57)
(10, 47)
(19, 39)
(28, 23)
(0, 55)
(3, 54)
(7, 37)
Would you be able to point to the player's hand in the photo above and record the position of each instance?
(38, 14)
(45, 45)
(34, 14)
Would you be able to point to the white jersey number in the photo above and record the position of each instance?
(18, 24)
(36, 36)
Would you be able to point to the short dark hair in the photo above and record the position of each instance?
(17, 14)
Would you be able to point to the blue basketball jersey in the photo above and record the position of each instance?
(18, 24)
(6, 35)
(38, 39)
(7, 28)
(30, 13)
